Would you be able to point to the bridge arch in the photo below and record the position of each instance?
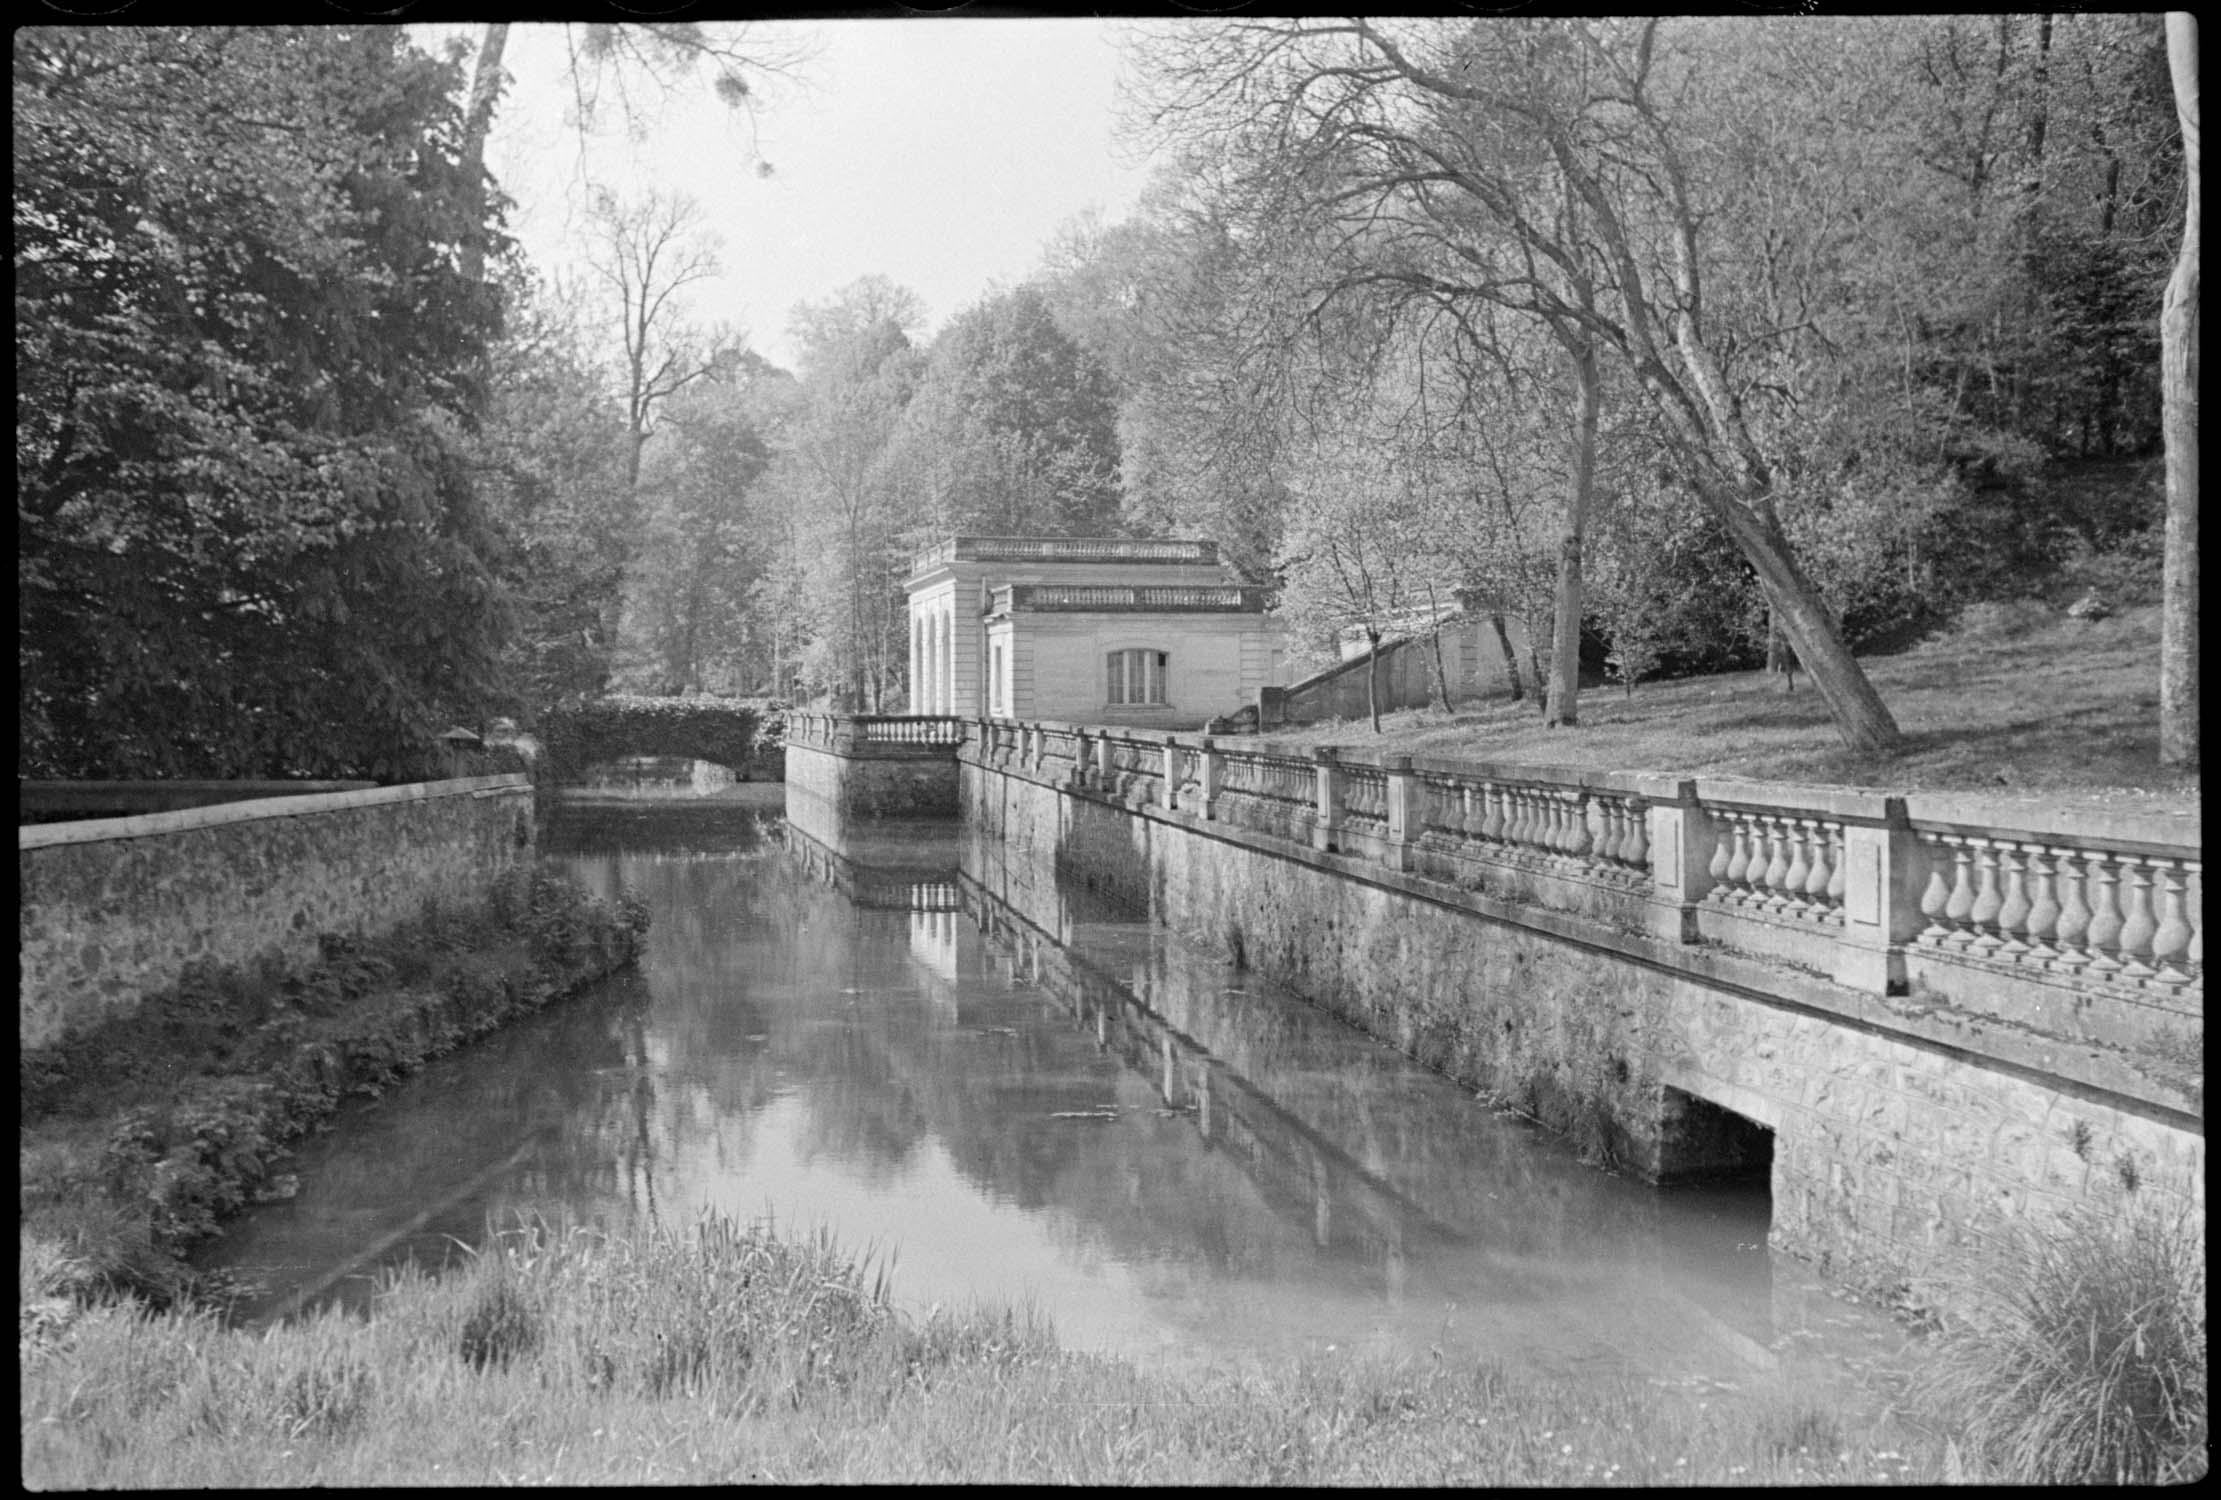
(723, 731)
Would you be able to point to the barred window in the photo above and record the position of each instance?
(1138, 677)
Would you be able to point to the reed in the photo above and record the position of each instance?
(582, 1355)
(2079, 1355)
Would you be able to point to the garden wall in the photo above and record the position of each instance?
(112, 909)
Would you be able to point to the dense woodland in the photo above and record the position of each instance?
(1696, 344)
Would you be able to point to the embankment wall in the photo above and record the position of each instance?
(1896, 1136)
(112, 909)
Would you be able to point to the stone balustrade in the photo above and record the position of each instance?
(849, 733)
(1161, 598)
(1062, 549)
(2006, 909)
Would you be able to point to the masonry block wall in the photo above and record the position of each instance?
(1889, 1151)
(112, 909)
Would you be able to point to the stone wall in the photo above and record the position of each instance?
(113, 909)
(894, 766)
(1896, 1135)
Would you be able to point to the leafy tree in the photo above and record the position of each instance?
(704, 550)
(852, 535)
(247, 370)
(552, 465)
(1014, 427)
(1372, 124)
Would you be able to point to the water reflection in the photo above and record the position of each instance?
(1017, 1089)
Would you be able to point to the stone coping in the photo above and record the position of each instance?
(145, 825)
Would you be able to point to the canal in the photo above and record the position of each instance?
(1008, 1089)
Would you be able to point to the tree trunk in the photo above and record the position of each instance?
(1861, 717)
(1372, 675)
(1562, 706)
(1441, 671)
(1511, 657)
(2178, 340)
(478, 120)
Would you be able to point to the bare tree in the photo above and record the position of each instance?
(646, 254)
(604, 57)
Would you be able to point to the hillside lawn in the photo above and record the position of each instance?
(2013, 702)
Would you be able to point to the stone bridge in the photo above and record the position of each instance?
(738, 734)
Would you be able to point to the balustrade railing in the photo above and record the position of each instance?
(1364, 800)
(1873, 891)
(1776, 864)
(1136, 769)
(2045, 906)
(1270, 793)
(820, 730)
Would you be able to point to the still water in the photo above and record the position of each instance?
(1009, 1089)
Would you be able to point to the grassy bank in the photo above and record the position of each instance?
(138, 1135)
(2015, 701)
(710, 1354)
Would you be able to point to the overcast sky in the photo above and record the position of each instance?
(939, 153)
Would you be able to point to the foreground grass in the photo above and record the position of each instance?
(587, 1357)
(2013, 702)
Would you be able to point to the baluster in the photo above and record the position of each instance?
(2043, 904)
(1637, 848)
(1800, 864)
(2139, 925)
(1962, 893)
(1584, 837)
(2012, 916)
(2171, 940)
(1515, 816)
(1739, 864)
(1937, 896)
(1987, 899)
(2194, 902)
(1611, 830)
(1777, 864)
(1822, 873)
(2071, 936)
(1723, 835)
(1541, 818)
(2105, 917)
(1835, 869)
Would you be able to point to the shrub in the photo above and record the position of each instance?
(2002, 619)
(2081, 1356)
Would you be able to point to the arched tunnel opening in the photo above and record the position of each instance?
(1700, 1141)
